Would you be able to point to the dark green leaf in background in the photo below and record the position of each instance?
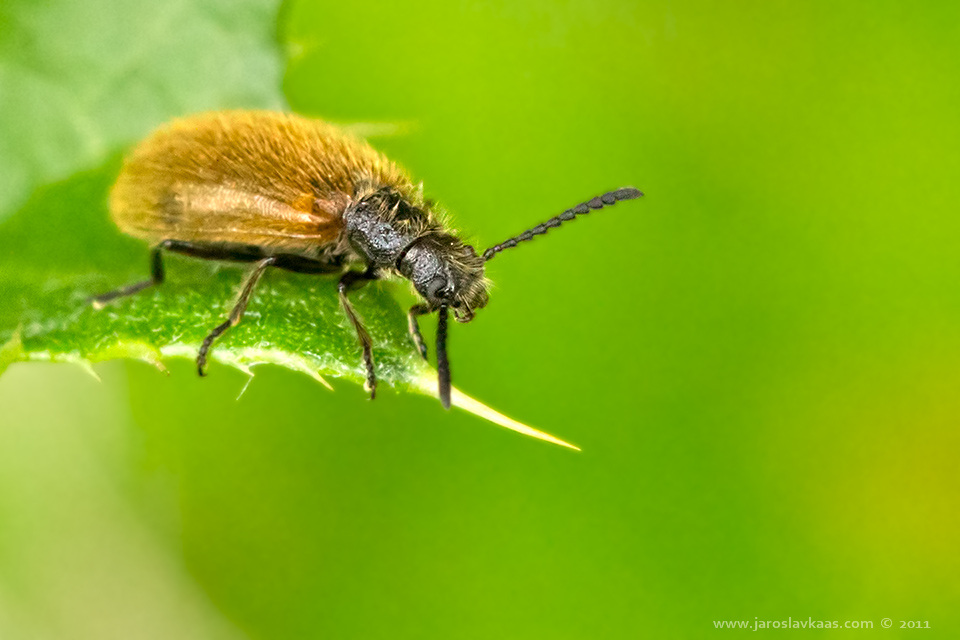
(80, 80)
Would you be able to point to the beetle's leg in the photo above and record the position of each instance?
(156, 277)
(414, 327)
(350, 280)
(236, 314)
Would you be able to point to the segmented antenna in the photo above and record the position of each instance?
(607, 199)
(443, 365)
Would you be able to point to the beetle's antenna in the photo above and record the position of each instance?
(607, 199)
(443, 365)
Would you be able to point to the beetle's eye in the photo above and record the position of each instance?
(436, 288)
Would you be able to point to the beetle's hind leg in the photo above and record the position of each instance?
(414, 327)
(235, 315)
(156, 277)
(351, 280)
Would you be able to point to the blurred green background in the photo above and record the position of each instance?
(760, 359)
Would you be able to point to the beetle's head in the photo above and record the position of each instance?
(449, 274)
(446, 272)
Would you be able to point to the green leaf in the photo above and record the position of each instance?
(71, 102)
(61, 249)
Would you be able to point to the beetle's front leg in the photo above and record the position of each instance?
(414, 327)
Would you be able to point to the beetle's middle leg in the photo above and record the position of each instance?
(236, 314)
(351, 280)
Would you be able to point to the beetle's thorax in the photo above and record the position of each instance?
(381, 225)
(391, 233)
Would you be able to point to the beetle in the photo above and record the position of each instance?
(280, 190)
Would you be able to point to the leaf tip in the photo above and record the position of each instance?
(87, 367)
(319, 378)
(427, 384)
(304, 366)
